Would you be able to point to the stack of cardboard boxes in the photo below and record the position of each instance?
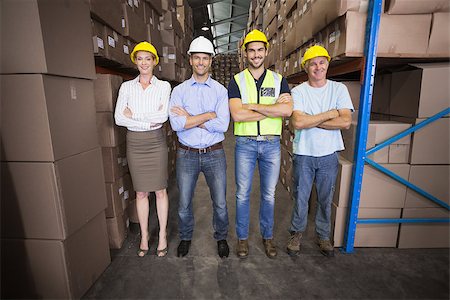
(224, 67)
(411, 95)
(407, 29)
(53, 229)
(118, 25)
(119, 191)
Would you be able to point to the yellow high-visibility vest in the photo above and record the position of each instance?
(268, 94)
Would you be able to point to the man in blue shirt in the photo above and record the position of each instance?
(199, 114)
(322, 108)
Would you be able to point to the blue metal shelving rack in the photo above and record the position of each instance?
(360, 156)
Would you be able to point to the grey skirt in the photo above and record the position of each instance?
(147, 160)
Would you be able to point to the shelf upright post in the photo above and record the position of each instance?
(370, 54)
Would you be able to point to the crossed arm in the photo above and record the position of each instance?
(256, 112)
(193, 121)
(331, 119)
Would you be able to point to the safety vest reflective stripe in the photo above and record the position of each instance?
(249, 94)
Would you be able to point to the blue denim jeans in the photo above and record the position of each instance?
(247, 153)
(323, 170)
(213, 165)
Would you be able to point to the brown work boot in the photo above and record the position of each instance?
(326, 248)
(242, 248)
(293, 245)
(269, 248)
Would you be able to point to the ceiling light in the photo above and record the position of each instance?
(205, 28)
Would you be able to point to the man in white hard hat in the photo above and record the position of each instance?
(322, 108)
(199, 114)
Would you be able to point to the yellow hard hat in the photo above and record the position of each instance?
(144, 46)
(315, 51)
(255, 36)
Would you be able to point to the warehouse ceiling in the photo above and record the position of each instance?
(226, 21)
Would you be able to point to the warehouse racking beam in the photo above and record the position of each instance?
(370, 50)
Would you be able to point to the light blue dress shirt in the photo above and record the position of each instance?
(198, 98)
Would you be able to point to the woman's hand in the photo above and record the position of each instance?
(128, 113)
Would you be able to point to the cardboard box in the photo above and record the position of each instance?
(106, 89)
(132, 212)
(114, 45)
(169, 21)
(269, 12)
(354, 89)
(51, 119)
(439, 43)
(399, 35)
(434, 180)
(119, 195)
(403, 35)
(109, 134)
(117, 230)
(56, 269)
(378, 132)
(424, 235)
(381, 93)
(408, 7)
(114, 198)
(133, 26)
(346, 35)
(65, 196)
(109, 12)
(154, 37)
(378, 190)
(115, 163)
(98, 38)
(431, 144)
(367, 235)
(304, 25)
(418, 92)
(52, 29)
(157, 5)
(127, 47)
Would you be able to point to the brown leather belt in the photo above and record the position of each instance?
(203, 150)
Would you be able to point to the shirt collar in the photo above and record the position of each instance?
(153, 80)
(208, 81)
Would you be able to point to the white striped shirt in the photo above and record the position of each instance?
(150, 107)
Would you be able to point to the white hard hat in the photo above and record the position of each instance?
(202, 45)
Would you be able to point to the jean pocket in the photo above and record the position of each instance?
(242, 140)
(181, 152)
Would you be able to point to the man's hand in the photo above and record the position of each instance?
(128, 113)
(285, 98)
(179, 111)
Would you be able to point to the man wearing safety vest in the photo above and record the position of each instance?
(321, 109)
(258, 100)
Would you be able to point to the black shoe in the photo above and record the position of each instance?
(222, 248)
(183, 248)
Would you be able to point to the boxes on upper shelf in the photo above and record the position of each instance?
(58, 34)
(417, 91)
(59, 114)
(109, 12)
(408, 7)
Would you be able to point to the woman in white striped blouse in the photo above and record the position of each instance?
(142, 107)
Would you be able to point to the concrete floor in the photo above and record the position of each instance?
(368, 273)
